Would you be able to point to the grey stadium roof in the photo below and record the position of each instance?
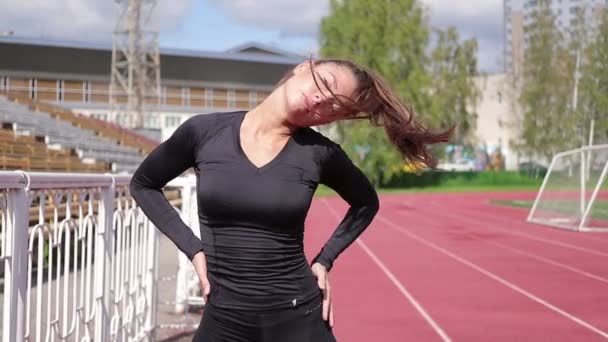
(247, 64)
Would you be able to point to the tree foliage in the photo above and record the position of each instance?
(549, 125)
(594, 81)
(453, 65)
(392, 37)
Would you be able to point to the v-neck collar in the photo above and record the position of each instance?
(241, 153)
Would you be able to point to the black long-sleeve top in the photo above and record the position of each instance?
(252, 218)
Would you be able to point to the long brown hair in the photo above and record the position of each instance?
(376, 101)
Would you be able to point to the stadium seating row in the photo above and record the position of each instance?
(51, 129)
(26, 153)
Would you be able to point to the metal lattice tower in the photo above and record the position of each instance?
(135, 77)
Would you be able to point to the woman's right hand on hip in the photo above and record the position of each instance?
(200, 267)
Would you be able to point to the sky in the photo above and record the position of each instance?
(216, 25)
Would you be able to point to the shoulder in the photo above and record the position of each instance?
(316, 138)
(203, 125)
(207, 120)
(323, 146)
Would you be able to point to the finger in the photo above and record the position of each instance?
(328, 291)
(321, 280)
(206, 289)
(325, 309)
(331, 316)
(326, 301)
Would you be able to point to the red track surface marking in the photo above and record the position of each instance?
(467, 227)
(521, 273)
(479, 204)
(449, 209)
(397, 283)
(470, 273)
(559, 284)
(367, 305)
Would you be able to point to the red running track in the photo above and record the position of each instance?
(453, 267)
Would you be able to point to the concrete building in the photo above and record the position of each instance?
(518, 13)
(498, 122)
(76, 75)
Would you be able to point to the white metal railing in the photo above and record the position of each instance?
(79, 257)
(187, 287)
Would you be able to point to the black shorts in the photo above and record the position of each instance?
(303, 323)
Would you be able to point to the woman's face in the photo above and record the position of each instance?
(311, 105)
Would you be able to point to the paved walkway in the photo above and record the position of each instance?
(171, 326)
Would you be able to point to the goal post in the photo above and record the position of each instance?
(574, 192)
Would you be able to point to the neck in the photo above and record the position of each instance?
(268, 119)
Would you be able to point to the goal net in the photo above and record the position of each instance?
(574, 193)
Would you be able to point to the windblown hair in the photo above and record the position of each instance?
(375, 100)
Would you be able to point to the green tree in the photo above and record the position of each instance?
(549, 125)
(389, 36)
(594, 82)
(453, 66)
(392, 37)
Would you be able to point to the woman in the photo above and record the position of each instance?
(257, 172)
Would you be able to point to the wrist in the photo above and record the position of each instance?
(198, 255)
(318, 264)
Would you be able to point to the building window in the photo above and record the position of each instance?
(88, 90)
(163, 95)
(209, 97)
(60, 90)
(231, 98)
(150, 120)
(33, 88)
(253, 99)
(100, 116)
(186, 96)
(172, 121)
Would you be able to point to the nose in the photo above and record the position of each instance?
(316, 99)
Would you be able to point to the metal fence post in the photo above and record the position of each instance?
(16, 272)
(151, 278)
(103, 258)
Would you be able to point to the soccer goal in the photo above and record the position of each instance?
(574, 193)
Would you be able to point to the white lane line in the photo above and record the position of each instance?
(540, 258)
(495, 277)
(516, 233)
(395, 281)
(545, 260)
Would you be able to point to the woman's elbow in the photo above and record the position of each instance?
(374, 203)
(135, 188)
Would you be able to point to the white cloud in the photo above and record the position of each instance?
(290, 17)
(92, 20)
(481, 19)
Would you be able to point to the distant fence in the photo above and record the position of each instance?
(86, 270)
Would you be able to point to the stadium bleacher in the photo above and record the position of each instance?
(29, 153)
(39, 136)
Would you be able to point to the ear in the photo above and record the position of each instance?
(304, 66)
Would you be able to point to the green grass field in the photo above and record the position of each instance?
(325, 191)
